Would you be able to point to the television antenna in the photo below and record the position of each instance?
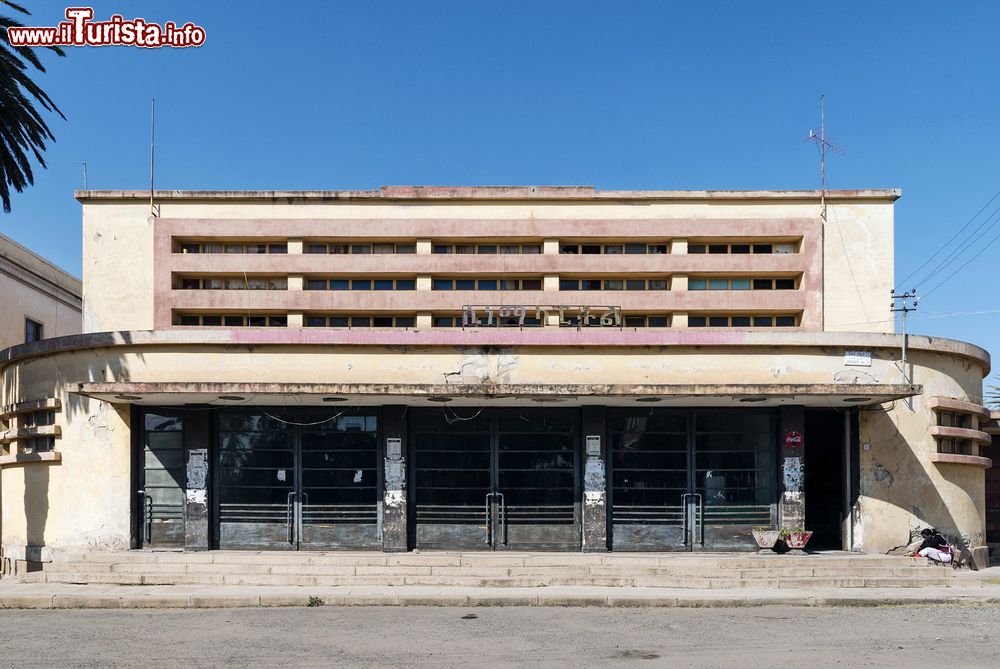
(824, 145)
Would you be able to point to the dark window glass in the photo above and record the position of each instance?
(383, 248)
(442, 248)
(590, 249)
(487, 284)
(634, 249)
(614, 249)
(361, 321)
(763, 284)
(739, 248)
(658, 284)
(233, 321)
(531, 249)
(256, 248)
(315, 321)
(277, 248)
(406, 248)
(406, 284)
(211, 320)
(784, 284)
(464, 249)
(443, 321)
(784, 321)
(338, 321)
(234, 248)
(696, 248)
(185, 320)
(488, 249)
(361, 249)
(741, 321)
(315, 284)
(442, 284)
(382, 321)
(569, 248)
(465, 284)
(339, 284)
(696, 321)
(657, 321)
(762, 321)
(635, 321)
(569, 284)
(590, 284)
(315, 248)
(361, 284)
(657, 249)
(258, 321)
(509, 284)
(277, 321)
(190, 284)
(635, 284)
(405, 321)
(190, 248)
(718, 321)
(718, 248)
(383, 284)
(340, 249)
(762, 248)
(531, 284)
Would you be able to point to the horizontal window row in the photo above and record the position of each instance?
(234, 283)
(487, 284)
(233, 320)
(571, 320)
(614, 284)
(360, 284)
(959, 446)
(729, 321)
(498, 321)
(742, 247)
(954, 419)
(615, 249)
(742, 283)
(38, 444)
(359, 249)
(322, 321)
(487, 249)
(232, 247)
(38, 418)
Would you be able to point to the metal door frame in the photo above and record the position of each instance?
(140, 504)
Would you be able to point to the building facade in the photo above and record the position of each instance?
(492, 368)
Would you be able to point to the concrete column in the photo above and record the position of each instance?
(197, 437)
(792, 507)
(595, 487)
(424, 283)
(678, 246)
(296, 320)
(295, 247)
(678, 282)
(395, 529)
(679, 319)
(550, 283)
(424, 319)
(296, 283)
(424, 247)
(550, 246)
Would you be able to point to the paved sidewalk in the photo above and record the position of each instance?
(970, 589)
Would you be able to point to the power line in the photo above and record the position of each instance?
(981, 252)
(954, 237)
(963, 247)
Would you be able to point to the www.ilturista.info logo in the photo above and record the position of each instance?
(80, 30)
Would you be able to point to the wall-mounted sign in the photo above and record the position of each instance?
(394, 449)
(858, 358)
(794, 439)
(593, 445)
(490, 315)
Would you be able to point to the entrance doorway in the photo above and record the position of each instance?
(684, 480)
(495, 479)
(161, 481)
(297, 480)
(824, 477)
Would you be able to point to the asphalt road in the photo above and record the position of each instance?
(918, 637)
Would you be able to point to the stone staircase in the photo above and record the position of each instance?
(493, 570)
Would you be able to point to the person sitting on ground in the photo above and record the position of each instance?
(934, 546)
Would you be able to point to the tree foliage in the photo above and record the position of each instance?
(992, 397)
(23, 131)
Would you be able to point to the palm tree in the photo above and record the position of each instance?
(993, 395)
(22, 128)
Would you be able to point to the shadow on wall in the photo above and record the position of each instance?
(36, 507)
(896, 477)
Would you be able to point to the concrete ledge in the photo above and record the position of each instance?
(944, 432)
(961, 406)
(25, 458)
(958, 459)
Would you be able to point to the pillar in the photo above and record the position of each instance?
(197, 436)
(595, 487)
(394, 517)
(791, 446)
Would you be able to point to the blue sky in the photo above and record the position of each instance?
(332, 95)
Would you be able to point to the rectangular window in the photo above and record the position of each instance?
(257, 321)
(531, 284)
(361, 322)
(406, 284)
(382, 321)
(361, 284)
(340, 249)
(739, 284)
(763, 321)
(590, 284)
(718, 248)
(569, 284)
(443, 284)
(234, 248)
(339, 284)
(488, 249)
(739, 248)
(762, 248)
(614, 284)
(233, 321)
(784, 284)
(361, 249)
(657, 249)
(784, 321)
(465, 284)
(277, 248)
(405, 321)
(315, 248)
(190, 248)
(614, 249)
(635, 321)
(465, 249)
(509, 284)
(696, 248)
(696, 321)
(531, 249)
(235, 284)
(256, 284)
(697, 284)
(277, 321)
(635, 249)
(383, 248)
(590, 249)
(383, 284)
(763, 284)
(509, 249)
(277, 283)
(740, 321)
(569, 248)
(635, 284)
(488, 284)
(718, 284)
(406, 249)
(316, 284)
(256, 248)
(190, 284)
(338, 321)
(658, 284)
(211, 320)
(189, 320)
(718, 321)
(211, 248)
(443, 321)
(442, 248)
(657, 321)
(315, 321)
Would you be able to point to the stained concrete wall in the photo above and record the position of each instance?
(87, 495)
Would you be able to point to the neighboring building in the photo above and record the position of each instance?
(37, 299)
(992, 427)
(492, 368)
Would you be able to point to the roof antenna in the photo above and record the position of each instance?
(152, 146)
(824, 145)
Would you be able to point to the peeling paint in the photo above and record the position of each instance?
(793, 475)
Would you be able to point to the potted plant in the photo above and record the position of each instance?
(766, 538)
(795, 538)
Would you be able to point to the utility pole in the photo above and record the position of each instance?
(904, 307)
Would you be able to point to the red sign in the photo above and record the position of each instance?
(793, 439)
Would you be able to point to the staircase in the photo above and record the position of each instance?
(503, 570)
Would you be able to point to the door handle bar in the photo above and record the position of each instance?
(503, 518)
(147, 516)
(288, 517)
(489, 520)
